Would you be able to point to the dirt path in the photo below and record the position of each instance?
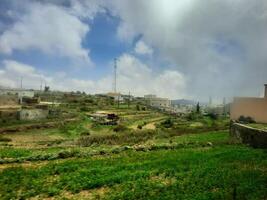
(150, 125)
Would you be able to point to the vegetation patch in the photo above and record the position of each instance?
(178, 174)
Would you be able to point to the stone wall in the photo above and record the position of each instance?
(248, 135)
(33, 114)
(6, 115)
(7, 100)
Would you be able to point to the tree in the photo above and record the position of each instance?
(46, 89)
(198, 108)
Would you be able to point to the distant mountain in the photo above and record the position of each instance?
(183, 102)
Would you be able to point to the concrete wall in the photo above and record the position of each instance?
(249, 107)
(248, 135)
(33, 114)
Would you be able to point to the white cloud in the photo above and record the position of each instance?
(140, 79)
(49, 28)
(219, 45)
(133, 76)
(142, 48)
(13, 71)
(18, 68)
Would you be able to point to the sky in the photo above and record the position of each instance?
(193, 49)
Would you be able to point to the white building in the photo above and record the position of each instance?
(116, 96)
(155, 101)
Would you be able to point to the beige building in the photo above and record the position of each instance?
(155, 101)
(250, 107)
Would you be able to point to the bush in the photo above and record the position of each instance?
(2, 139)
(131, 137)
(168, 123)
(66, 154)
(120, 128)
(85, 109)
(213, 116)
(85, 133)
(246, 120)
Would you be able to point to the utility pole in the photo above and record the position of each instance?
(118, 100)
(21, 79)
(115, 75)
(41, 86)
(224, 106)
(129, 99)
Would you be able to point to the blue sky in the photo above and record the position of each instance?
(169, 48)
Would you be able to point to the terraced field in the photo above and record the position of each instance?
(168, 158)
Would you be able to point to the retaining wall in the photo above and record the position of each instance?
(33, 114)
(248, 135)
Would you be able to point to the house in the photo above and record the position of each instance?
(154, 101)
(116, 96)
(253, 107)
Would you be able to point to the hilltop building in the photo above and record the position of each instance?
(116, 96)
(154, 101)
(253, 107)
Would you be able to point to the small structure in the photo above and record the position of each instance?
(104, 118)
(253, 107)
(116, 96)
(33, 114)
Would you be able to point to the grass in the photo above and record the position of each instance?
(194, 173)
(189, 160)
(112, 146)
(258, 126)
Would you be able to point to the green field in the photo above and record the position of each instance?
(150, 155)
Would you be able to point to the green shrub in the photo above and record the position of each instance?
(66, 154)
(85, 133)
(131, 137)
(213, 116)
(120, 128)
(139, 126)
(143, 108)
(85, 109)
(246, 120)
(3, 139)
(168, 123)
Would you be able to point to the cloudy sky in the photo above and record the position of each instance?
(177, 49)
